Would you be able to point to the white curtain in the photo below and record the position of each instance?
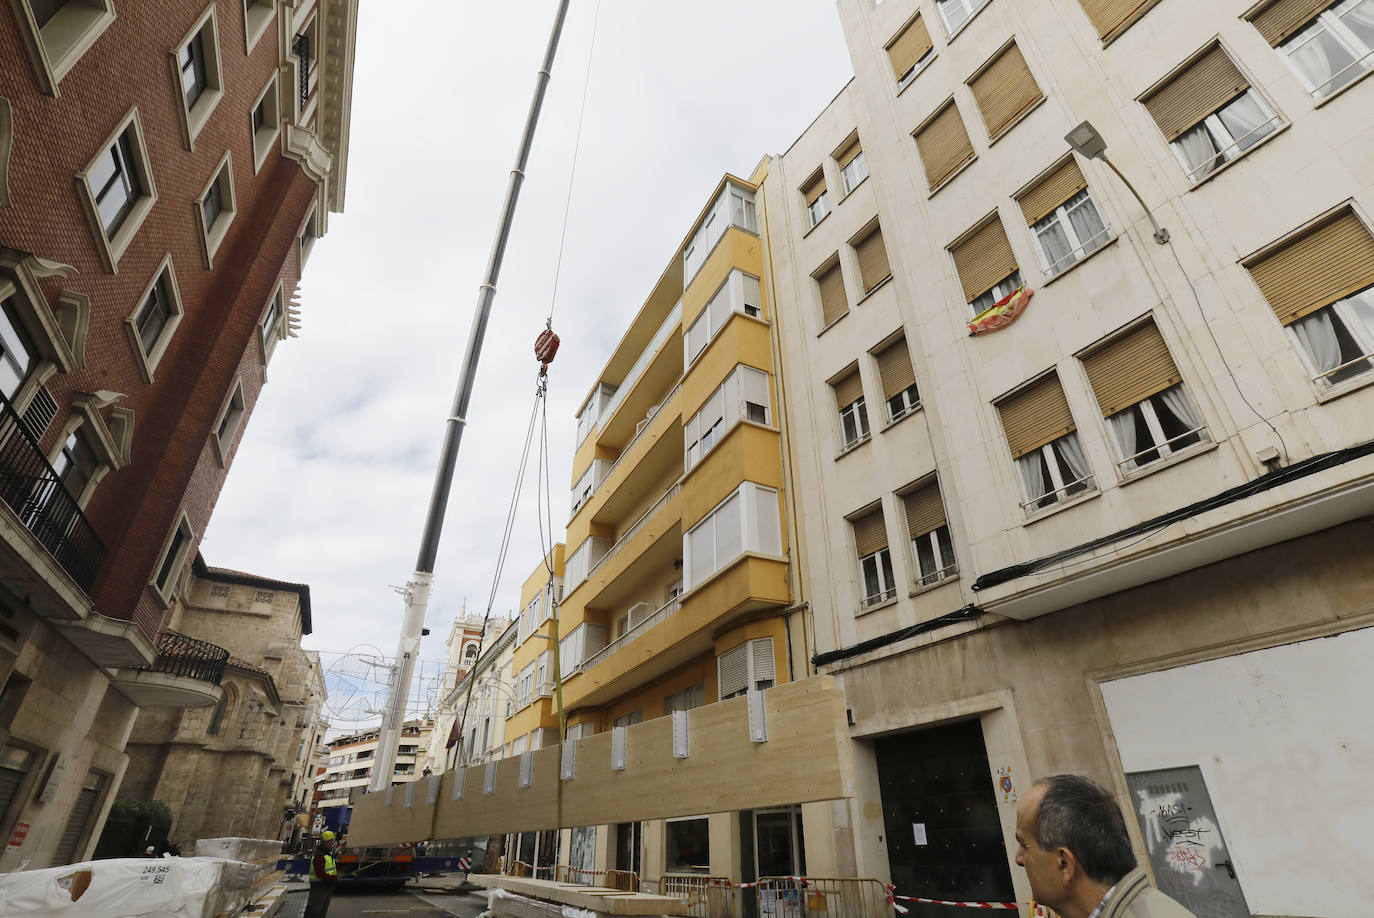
(1177, 401)
(1198, 150)
(1246, 119)
(1362, 305)
(1123, 428)
(1033, 480)
(1317, 336)
(1055, 242)
(1087, 222)
(1072, 453)
(1360, 20)
(1319, 59)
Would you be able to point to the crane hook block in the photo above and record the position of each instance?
(545, 347)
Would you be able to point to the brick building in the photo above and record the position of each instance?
(164, 172)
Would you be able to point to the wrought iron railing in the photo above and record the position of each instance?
(301, 48)
(34, 491)
(179, 655)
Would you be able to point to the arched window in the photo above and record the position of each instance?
(470, 652)
(217, 719)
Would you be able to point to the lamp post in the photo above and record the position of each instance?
(1088, 143)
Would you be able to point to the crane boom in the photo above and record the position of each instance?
(418, 586)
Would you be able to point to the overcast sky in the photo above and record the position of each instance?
(331, 481)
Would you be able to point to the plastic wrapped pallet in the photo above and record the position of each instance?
(119, 888)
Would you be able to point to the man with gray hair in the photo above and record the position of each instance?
(1071, 839)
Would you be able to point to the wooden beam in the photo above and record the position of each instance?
(805, 759)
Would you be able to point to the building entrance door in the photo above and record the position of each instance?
(944, 835)
(628, 847)
(1188, 854)
(778, 847)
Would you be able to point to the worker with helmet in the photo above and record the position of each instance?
(323, 876)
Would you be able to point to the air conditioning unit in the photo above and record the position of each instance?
(640, 611)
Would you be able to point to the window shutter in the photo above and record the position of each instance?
(1281, 19)
(833, 302)
(848, 389)
(894, 368)
(76, 822)
(944, 144)
(1195, 92)
(1005, 90)
(1056, 187)
(12, 777)
(846, 156)
(925, 512)
(910, 45)
(1035, 416)
(1327, 263)
(732, 671)
(984, 259)
(761, 649)
(1130, 368)
(870, 534)
(873, 266)
(1112, 17)
(814, 187)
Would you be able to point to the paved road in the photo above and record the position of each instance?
(400, 904)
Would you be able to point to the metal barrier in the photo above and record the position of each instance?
(626, 880)
(705, 896)
(822, 897)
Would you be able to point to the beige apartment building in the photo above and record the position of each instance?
(240, 767)
(1129, 534)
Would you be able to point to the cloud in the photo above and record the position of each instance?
(332, 480)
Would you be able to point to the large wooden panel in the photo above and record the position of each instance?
(806, 758)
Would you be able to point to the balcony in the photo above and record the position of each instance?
(658, 615)
(48, 525)
(185, 674)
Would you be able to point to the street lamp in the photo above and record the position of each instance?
(1089, 144)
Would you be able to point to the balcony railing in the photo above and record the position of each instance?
(625, 451)
(634, 530)
(179, 655)
(36, 494)
(658, 615)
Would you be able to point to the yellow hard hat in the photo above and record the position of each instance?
(326, 835)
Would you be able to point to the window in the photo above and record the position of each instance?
(943, 144)
(749, 520)
(580, 645)
(57, 33)
(173, 558)
(17, 353)
(872, 256)
(79, 820)
(230, 420)
(198, 75)
(746, 667)
(117, 187)
(849, 401)
(630, 719)
(76, 464)
(309, 233)
(985, 264)
(271, 325)
(743, 395)
(734, 207)
(853, 165)
(587, 556)
(898, 379)
(1063, 217)
(876, 583)
(910, 51)
(694, 696)
(929, 533)
(1004, 89)
(586, 485)
(525, 694)
(957, 13)
(306, 49)
(816, 198)
(740, 293)
(1327, 50)
(687, 845)
(1142, 397)
(1112, 17)
(1209, 113)
(15, 765)
(217, 209)
(264, 124)
(257, 16)
(830, 290)
(1044, 444)
(155, 318)
(543, 677)
(1320, 284)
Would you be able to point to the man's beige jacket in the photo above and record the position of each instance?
(1136, 898)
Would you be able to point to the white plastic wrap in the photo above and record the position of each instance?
(176, 887)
